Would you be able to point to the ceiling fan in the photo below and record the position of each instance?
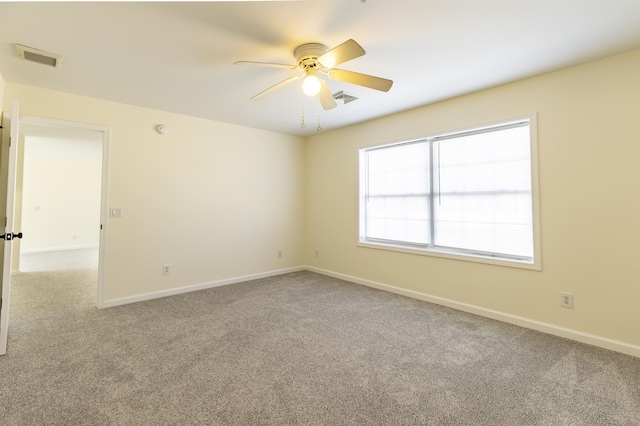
(314, 59)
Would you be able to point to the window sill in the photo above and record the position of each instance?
(521, 264)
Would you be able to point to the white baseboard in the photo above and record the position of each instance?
(171, 292)
(42, 250)
(578, 336)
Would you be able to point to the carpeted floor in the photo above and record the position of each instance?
(296, 349)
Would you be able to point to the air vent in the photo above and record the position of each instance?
(343, 97)
(39, 56)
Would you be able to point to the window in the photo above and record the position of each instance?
(468, 194)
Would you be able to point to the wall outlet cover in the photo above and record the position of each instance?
(566, 300)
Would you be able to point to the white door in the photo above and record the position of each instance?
(10, 163)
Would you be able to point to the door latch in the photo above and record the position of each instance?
(11, 236)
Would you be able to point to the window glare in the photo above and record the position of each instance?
(398, 170)
(397, 204)
(484, 188)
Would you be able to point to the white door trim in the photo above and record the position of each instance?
(104, 197)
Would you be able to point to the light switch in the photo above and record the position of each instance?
(115, 212)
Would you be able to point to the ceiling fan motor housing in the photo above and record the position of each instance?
(307, 54)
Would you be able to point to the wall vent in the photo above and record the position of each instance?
(343, 98)
(39, 56)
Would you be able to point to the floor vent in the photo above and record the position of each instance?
(39, 56)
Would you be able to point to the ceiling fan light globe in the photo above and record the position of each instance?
(311, 85)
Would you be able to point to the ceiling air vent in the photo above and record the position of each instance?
(343, 97)
(39, 56)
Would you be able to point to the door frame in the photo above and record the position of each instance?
(104, 190)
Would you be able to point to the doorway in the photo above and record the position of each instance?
(61, 199)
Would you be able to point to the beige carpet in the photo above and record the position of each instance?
(296, 349)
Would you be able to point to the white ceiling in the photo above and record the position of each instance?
(178, 56)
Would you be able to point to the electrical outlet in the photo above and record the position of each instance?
(166, 269)
(566, 300)
(317, 253)
(279, 254)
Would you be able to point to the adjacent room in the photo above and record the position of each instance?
(311, 212)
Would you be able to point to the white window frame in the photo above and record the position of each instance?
(534, 264)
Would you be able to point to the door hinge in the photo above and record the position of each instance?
(101, 227)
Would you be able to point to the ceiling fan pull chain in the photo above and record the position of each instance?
(302, 125)
(319, 128)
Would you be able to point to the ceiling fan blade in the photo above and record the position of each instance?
(365, 80)
(347, 51)
(325, 96)
(266, 64)
(276, 87)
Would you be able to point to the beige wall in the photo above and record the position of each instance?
(216, 201)
(589, 139)
(1, 90)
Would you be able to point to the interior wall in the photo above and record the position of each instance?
(589, 157)
(1, 90)
(60, 190)
(218, 201)
(213, 200)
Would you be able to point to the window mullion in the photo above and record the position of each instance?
(431, 228)
(367, 196)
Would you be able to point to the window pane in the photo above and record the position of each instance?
(493, 224)
(398, 169)
(484, 193)
(397, 200)
(402, 219)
